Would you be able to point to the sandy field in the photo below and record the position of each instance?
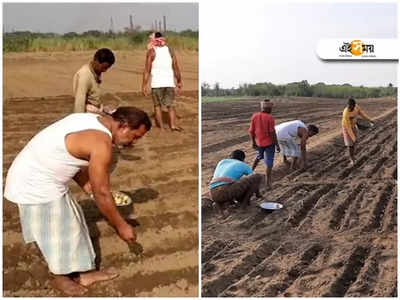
(160, 174)
(337, 232)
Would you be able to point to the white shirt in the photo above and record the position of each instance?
(162, 74)
(42, 170)
(288, 130)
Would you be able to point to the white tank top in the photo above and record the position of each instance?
(42, 170)
(162, 74)
(288, 130)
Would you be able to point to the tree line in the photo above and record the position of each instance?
(300, 89)
(25, 41)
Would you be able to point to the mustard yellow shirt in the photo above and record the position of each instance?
(86, 88)
(349, 120)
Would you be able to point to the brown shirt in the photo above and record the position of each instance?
(86, 88)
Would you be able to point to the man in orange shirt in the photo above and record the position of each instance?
(263, 136)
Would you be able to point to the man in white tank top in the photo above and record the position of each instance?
(287, 133)
(162, 65)
(78, 147)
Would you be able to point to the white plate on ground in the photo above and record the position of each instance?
(271, 205)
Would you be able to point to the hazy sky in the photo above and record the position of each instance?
(264, 42)
(80, 17)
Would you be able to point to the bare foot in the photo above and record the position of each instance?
(88, 278)
(68, 286)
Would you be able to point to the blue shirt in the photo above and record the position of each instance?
(231, 168)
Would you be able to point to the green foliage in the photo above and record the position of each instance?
(222, 99)
(299, 89)
(26, 41)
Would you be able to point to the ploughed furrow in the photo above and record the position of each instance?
(328, 158)
(225, 144)
(380, 163)
(312, 167)
(252, 220)
(333, 163)
(389, 147)
(394, 149)
(289, 196)
(215, 287)
(307, 204)
(324, 166)
(244, 118)
(149, 243)
(371, 139)
(376, 219)
(339, 212)
(308, 257)
(146, 281)
(347, 171)
(350, 273)
(284, 198)
(367, 279)
(390, 218)
(352, 217)
(164, 221)
(263, 270)
(230, 250)
(211, 250)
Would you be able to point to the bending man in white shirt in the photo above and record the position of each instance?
(77, 147)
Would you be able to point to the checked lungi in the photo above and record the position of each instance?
(289, 147)
(59, 229)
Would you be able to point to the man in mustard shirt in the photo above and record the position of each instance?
(349, 126)
(86, 82)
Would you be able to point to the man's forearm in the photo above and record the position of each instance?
(145, 80)
(177, 71)
(275, 138)
(178, 78)
(253, 138)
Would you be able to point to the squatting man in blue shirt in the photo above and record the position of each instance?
(229, 183)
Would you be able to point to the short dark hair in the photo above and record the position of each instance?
(313, 128)
(351, 102)
(104, 55)
(158, 34)
(133, 116)
(238, 154)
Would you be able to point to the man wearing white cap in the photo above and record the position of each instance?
(263, 136)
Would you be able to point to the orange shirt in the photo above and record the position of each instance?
(262, 126)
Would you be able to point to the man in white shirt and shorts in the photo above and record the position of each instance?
(166, 80)
(287, 133)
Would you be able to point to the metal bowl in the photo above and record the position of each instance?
(271, 205)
